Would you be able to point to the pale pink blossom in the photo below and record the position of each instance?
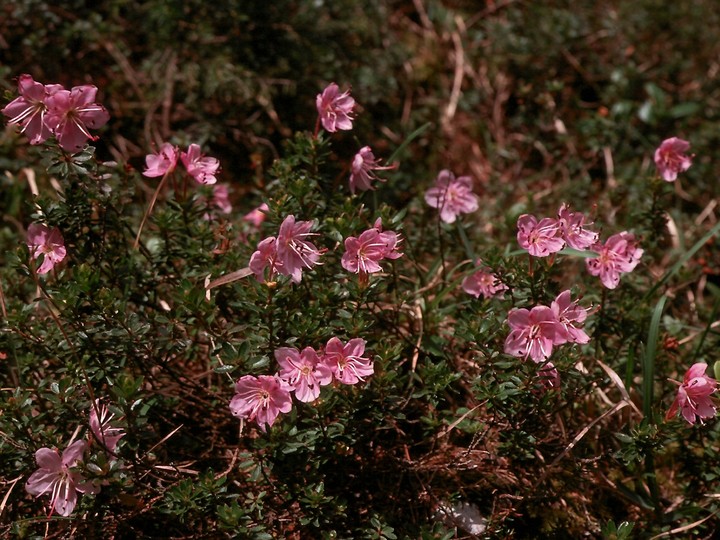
(303, 372)
(364, 253)
(534, 333)
(221, 198)
(571, 316)
(72, 113)
(48, 242)
(346, 360)
(294, 250)
(540, 239)
(452, 196)
(265, 257)
(335, 110)
(573, 229)
(671, 158)
(483, 283)
(29, 109)
(693, 397)
(102, 429)
(261, 399)
(57, 477)
(363, 165)
(257, 216)
(161, 163)
(201, 167)
(618, 255)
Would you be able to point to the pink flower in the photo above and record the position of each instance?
(570, 315)
(363, 165)
(534, 333)
(693, 397)
(161, 163)
(221, 198)
(257, 216)
(303, 372)
(48, 242)
(620, 254)
(261, 399)
(72, 113)
(265, 257)
(29, 109)
(484, 283)
(549, 376)
(670, 158)
(107, 435)
(56, 477)
(571, 225)
(335, 111)
(452, 196)
(539, 239)
(346, 361)
(364, 253)
(202, 168)
(294, 251)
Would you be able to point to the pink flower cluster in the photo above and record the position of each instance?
(288, 254)
(671, 159)
(58, 475)
(550, 235)
(303, 373)
(693, 397)
(452, 196)
(483, 283)
(620, 254)
(48, 242)
(45, 110)
(534, 332)
(364, 253)
(202, 168)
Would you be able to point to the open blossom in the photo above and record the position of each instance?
(265, 257)
(101, 428)
(346, 360)
(540, 239)
(571, 316)
(573, 229)
(334, 109)
(364, 253)
(303, 372)
(671, 159)
(693, 397)
(29, 109)
(72, 113)
(294, 250)
(57, 477)
(534, 333)
(485, 283)
(452, 196)
(48, 242)
(619, 254)
(261, 399)
(363, 165)
(161, 163)
(202, 168)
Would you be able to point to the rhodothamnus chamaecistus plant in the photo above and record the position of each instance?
(201, 167)
(452, 196)
(671, 158)
(101, 426)
(346, 360)
(261, 399)
(29, 109)
(362, 170)
(335, 110)
(161, 163)
(48, 242)
(363, 254)
(693, 396)
(484, 283)
(618, 255)
(303, 372)
(550, 235)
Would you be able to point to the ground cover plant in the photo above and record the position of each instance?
(359, 270)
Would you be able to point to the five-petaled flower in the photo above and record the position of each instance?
(693, 396)
(303, 372)
(57, 477)
(570, 315)
(671, 159)
(161, 163)
(618, 255)
(101, 427)
(294, 250)
(540, 239)
(364, 253)
(29, 109)
(201, 167)
(363, 165)
(334, 109)
(72, 113)
(483, 283)
(346, 360)
(534, 333)
(452, 196)
(261, 399)
(265, 257)
(48, 242)
(572, 229)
